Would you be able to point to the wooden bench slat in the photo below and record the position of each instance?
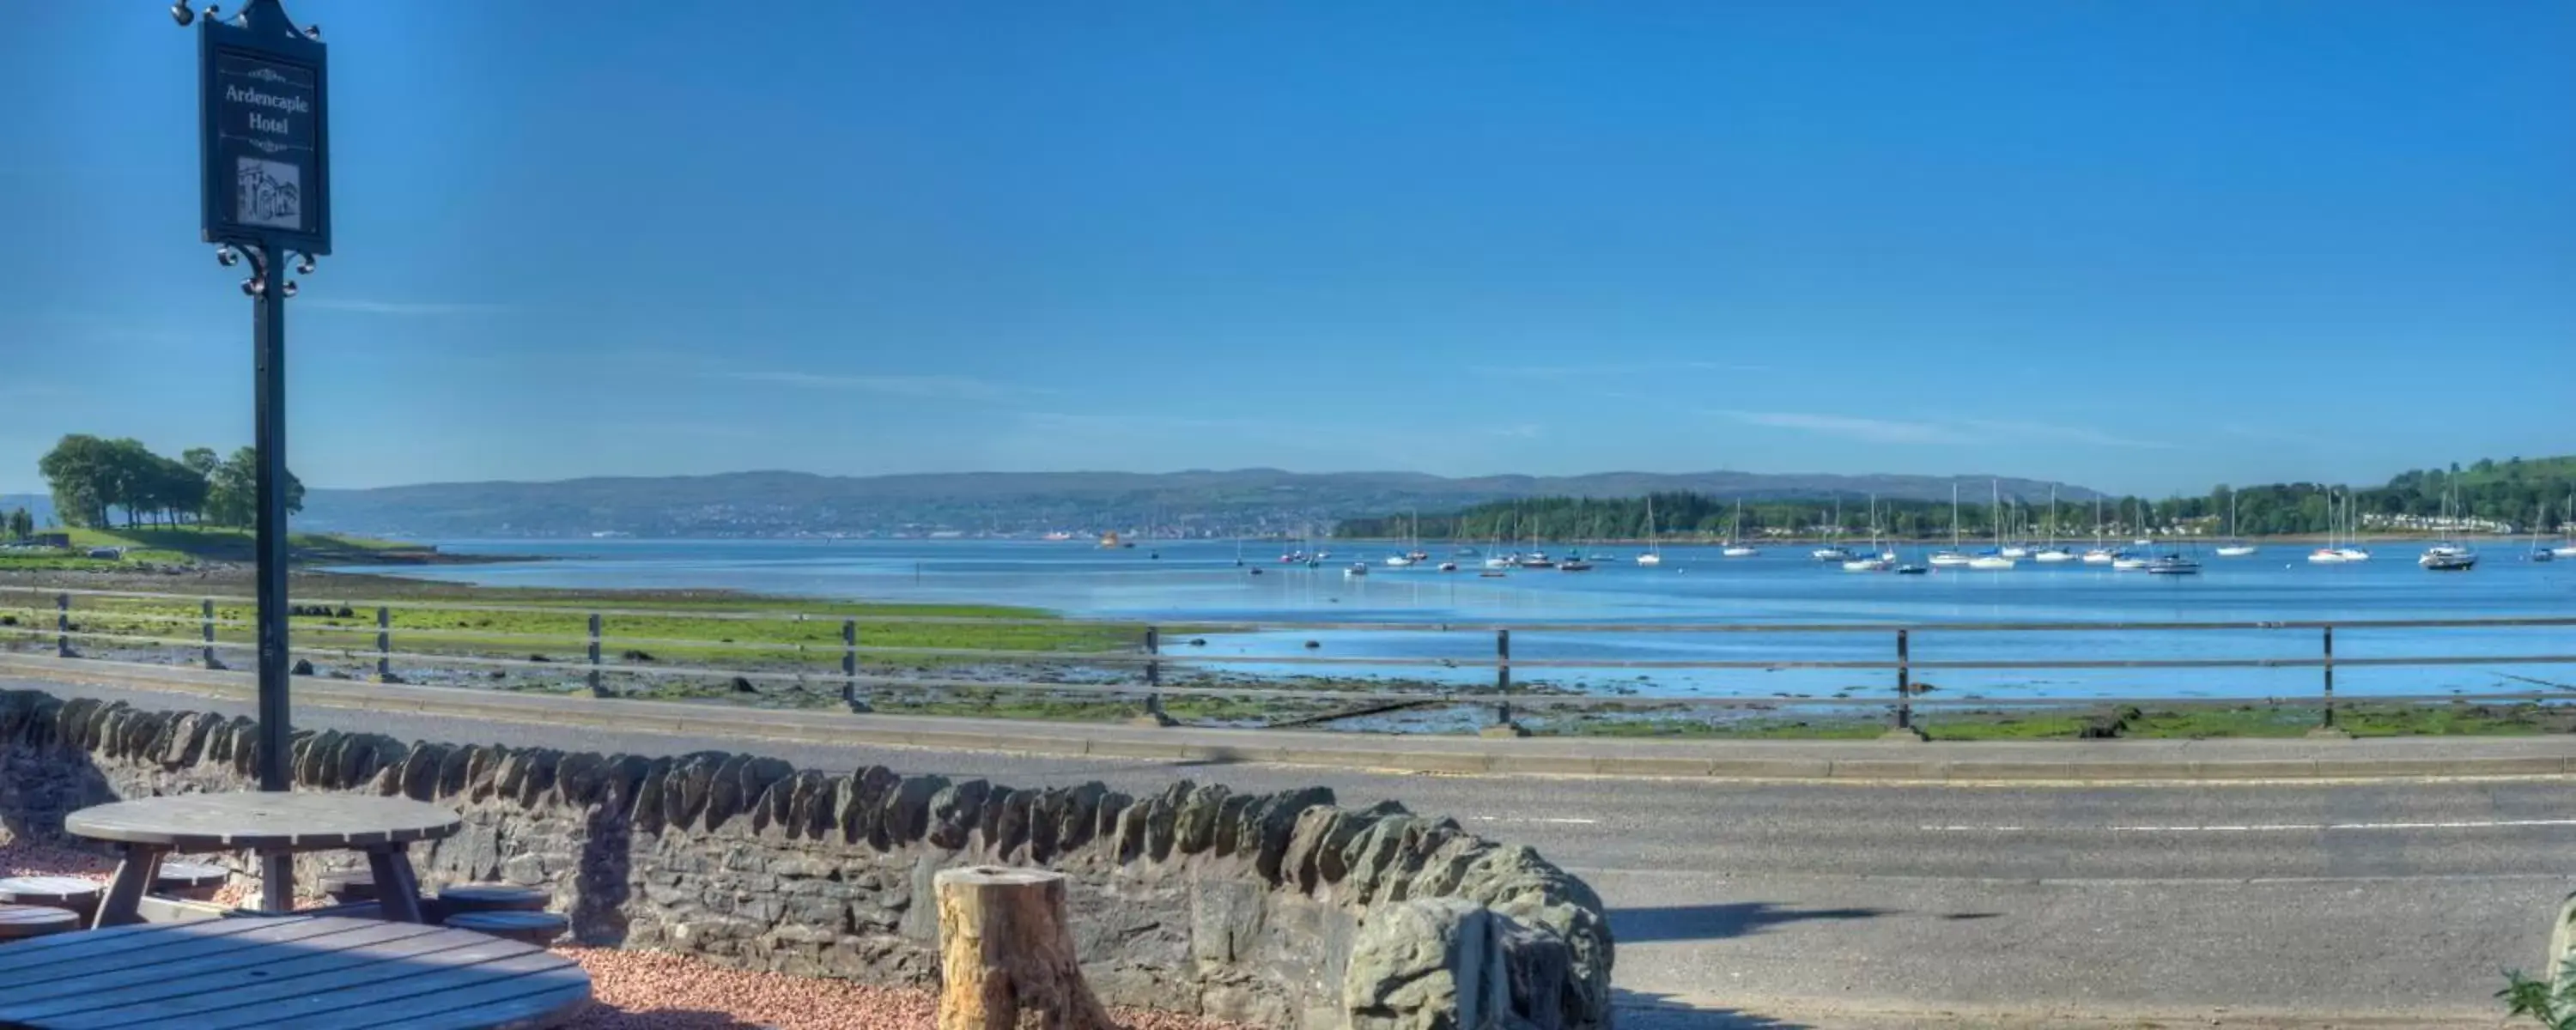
(416, 990)
(293, 971)
(303, 987)
(128, 983)
(22, 961)
(558, 1000)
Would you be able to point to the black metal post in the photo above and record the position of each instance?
(1503, 677)
(384, 644)
(268, 329)
(2329, 667)
(206, 627)
(62, 625)
(850, 667)
(597, 687)
(1904, 682)
(1154, 679)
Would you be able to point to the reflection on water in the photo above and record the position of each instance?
(1175, 581)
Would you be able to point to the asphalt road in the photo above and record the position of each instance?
(1828, 904)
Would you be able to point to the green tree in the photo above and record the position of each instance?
(232, 495)
(78, 472)
(21, 524)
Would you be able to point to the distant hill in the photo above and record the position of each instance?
(1196, 502)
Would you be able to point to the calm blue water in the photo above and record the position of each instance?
(1179, 581)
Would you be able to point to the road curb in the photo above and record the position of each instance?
(1452, 756)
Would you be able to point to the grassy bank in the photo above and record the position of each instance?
(650, 628)
(194, 545)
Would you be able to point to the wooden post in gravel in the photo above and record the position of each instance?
(1006, 959)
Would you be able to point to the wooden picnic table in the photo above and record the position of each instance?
(268, 823)
(307, 972)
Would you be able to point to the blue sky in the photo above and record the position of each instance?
(2142, 246)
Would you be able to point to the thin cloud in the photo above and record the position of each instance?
(1850, 427)
(1522, 431)
(2068, 434)
(1956, 431)
(397, 308)
(2240, 429)
(1072, 422)
(1607, 369)
(933, 387)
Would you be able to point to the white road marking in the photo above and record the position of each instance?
(1530, 819)
(2464, 824)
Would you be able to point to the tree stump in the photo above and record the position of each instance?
(1006, 958)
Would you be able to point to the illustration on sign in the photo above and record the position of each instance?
(270, 195)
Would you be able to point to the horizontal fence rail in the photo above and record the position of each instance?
(1110, 655)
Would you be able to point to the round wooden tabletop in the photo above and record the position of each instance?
(18, 921)
(264, 821)
(49, 890)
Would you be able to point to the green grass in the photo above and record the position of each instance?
(811, 629)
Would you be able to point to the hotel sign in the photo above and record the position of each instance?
(266, 135)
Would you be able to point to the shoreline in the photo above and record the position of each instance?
(1070, 688)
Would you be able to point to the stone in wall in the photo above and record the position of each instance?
(1280, 909)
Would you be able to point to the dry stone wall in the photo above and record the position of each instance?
(1282, 909)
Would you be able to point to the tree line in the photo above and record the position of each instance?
(20, 524)
(95, 481)
(2530, 495)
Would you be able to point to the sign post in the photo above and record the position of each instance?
(266, 195)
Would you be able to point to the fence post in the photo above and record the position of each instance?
(384, 644)
(206, 632)
(1503, 726)
(2326, 726)
(1904, 731)
(597, 689)
(850, 667)
(62, 625)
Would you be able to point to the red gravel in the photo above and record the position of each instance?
(658, 990)
(23, 858)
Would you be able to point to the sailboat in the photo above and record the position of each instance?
(1574, 560)
(2100, 553)
(2448, 555)
(2171, 563)
(2235, 547)
(2053, 553)
(1876, 560)
(1735, 545)
(2539, 551)
(2329, 554)
(2004, 548)
(1413, 549)
(2567, 526)
(1654, 551)
(2351, 549)
(1953, 556)
(1833, 551)
(2002, 560)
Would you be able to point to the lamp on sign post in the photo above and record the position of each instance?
(264, 173)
